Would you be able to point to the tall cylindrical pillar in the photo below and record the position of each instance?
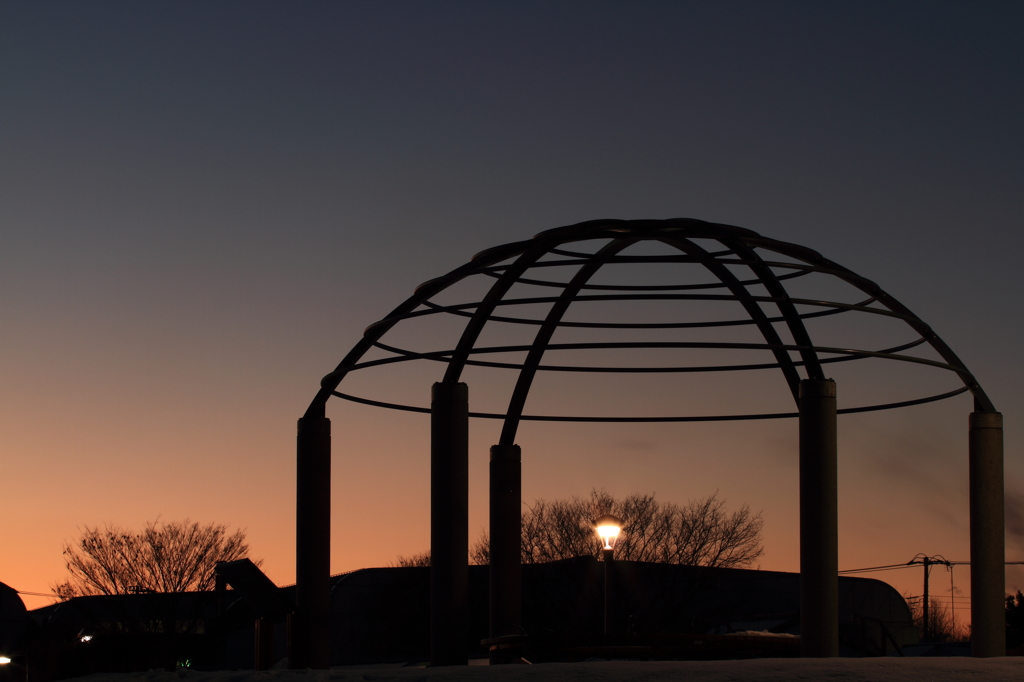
(988, 577)
(449, 523)
(506, 540)
(311, 632)
(819, 520)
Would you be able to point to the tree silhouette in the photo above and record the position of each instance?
(699, 533)
(177, 556)
(941, 625)
(413, 560)
(1015, 619)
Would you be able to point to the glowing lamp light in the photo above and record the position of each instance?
(608, 529)
(4, 660)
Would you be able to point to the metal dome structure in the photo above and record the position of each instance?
(732, 248)
(639, 299)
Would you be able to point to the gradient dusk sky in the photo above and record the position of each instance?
(203, 204)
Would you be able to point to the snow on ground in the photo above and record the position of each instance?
(755, 670)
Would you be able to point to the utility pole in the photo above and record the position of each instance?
(928, 562)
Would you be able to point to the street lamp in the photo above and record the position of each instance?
(608, 529)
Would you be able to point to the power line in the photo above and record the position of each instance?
(928, 562)
(872, 569)
(912, 563)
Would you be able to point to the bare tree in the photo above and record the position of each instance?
(1015, 620)
(177, 556)
(700, 533)
(413, 560)
(942, 627)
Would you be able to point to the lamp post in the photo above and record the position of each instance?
(608, 529)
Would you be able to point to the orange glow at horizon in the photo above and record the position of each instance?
(883, 519)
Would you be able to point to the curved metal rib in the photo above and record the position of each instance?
(492, 272)
(483, 312)
(652, 420)
(409, 355)
(455, 310)
(786, 308)
(753, 309)
(375, 331)
(543, 337)
(434, 308)
(404, 355)
(981, 400)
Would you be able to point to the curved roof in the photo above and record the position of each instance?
(757, 284)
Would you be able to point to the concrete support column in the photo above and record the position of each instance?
(819, 521)
(988, 576)
(311, 622)
(506, 538)
(449, 524)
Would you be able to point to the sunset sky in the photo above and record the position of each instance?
(202, 205)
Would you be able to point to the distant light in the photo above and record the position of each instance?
(4, 660)
(85, 638)
(608, 529)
